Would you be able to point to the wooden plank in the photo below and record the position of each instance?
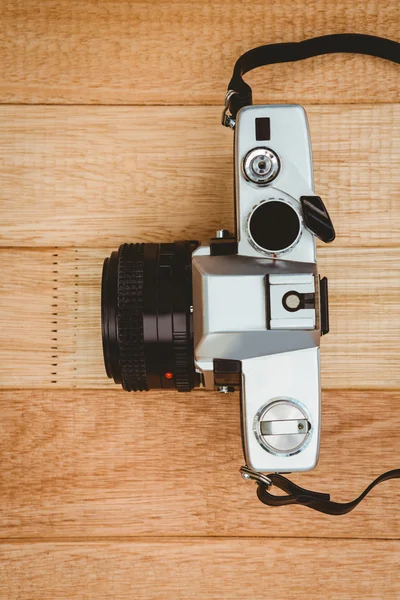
(212, 569)
(178, 52)
(104, 175)
(50, 334)
(94, 463)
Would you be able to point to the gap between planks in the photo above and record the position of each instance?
(166, 539)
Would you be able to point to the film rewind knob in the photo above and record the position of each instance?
(283, 427)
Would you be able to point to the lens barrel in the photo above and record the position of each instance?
(147, 321)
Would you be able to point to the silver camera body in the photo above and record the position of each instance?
(259, 306)
(245, 312)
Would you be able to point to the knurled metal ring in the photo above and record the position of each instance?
(130, 317)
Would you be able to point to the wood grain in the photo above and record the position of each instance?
(164, 52)
(51, 336)
(95, 463)
(81, 176)
(211, 569)
(96, 501)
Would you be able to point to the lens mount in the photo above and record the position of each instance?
(147, 323)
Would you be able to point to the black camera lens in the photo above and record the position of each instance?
(146, 314)
(274, 226)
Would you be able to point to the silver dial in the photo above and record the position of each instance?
(282, 427)
(261, 165)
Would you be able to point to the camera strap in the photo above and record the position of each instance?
(298, 495)
(239, 94)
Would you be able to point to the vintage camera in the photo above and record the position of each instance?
(245, 312)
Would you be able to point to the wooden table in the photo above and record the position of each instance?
(95, 503)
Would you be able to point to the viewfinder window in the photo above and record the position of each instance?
(263, 129)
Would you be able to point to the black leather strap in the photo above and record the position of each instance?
(240, 95)
(315, 500)
(294, 51)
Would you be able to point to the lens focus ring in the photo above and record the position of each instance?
(130, 317)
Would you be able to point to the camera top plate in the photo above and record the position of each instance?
(273, 163)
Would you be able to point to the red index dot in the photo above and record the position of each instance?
(168, 375)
